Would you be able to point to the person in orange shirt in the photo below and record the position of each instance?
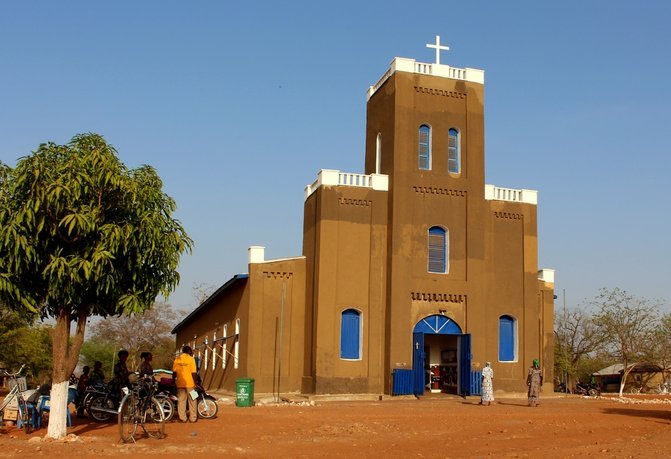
(184, 374)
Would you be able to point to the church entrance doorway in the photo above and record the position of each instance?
(441, 357)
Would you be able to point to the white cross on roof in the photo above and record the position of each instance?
(438, 48)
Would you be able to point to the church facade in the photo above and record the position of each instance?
(413, 274)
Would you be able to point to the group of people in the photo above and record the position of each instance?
(184, 374)
(121, 373)
(534, 383)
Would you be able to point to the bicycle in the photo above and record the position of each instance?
(139, 406)
(24, 415)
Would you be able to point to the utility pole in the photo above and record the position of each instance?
(566, 366)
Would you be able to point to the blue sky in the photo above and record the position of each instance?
(239, 104)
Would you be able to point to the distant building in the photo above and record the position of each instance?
(416, 265)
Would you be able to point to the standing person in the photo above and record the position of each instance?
(184, 374)
(487, 387)
(81, 388)
(145, 365)
(97, 376)
(121, 371)
(534, 381)
(83, 379)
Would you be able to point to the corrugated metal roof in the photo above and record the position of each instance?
(209, 300)
(640, 367)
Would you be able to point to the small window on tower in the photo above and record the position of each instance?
(507, 339)
(424, 147)
(453, 153)
(438, 248)
(350, 335)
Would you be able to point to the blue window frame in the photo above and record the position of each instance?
(350, 334)
(507, 339)
(438, 250)
(424, 147)
(453, 152)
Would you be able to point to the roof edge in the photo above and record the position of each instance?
(208, 300)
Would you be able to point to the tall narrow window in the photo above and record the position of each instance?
(378, 153)
(224, 356)
(453, 153)
(350, 335)
(438, 249)
(424, 147)
(236, 346)
(507, 339)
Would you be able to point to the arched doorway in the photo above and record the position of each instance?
(441, 356)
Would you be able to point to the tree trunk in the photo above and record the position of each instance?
(65, 357)
(625, 373)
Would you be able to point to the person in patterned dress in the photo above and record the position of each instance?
(534, 382)
(487, 387)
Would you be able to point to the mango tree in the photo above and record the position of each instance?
(80, 235)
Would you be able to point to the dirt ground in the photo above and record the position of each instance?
(433, 426)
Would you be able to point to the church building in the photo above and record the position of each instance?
(413, 274)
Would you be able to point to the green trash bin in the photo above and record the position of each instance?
(244, 392)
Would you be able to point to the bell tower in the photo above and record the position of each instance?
(425, 130)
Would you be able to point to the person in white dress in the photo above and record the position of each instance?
(487, 388)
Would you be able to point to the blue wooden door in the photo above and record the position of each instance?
(418, 362)
(465, 365)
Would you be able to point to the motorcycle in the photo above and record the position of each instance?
(105, 405)
(167, 398)
(591, 389)
(561, 387)
(84, 400)
(206, 404)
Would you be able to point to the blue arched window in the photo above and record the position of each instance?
(453, 152)
(438, 250)
(424, 147)
(350, 334)
(507, 339)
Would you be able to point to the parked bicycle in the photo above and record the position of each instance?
(15, 394)
(140, 407)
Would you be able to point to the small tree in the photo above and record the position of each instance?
(22, 341)
(628, 324)
(576, 337)
(145, 331)
(662, 350)
(82, 235)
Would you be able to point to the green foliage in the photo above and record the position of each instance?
(592, 364)
(80, 230)
(82, 235)
(104, 351)
(24, 342)
(18, 336)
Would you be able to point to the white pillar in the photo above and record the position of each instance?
(256, 254)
